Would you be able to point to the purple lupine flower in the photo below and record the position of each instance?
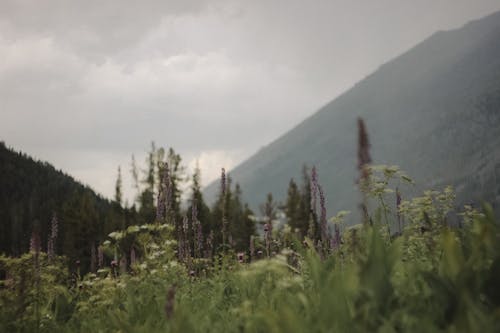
(54, 227)
(223, 204)
(314, 188)
(268, 232)
(185, 229)
(160, 203)
(52, 237)
(364, 157)
(398, 212)
(323, 223)
(197, 230)
(313, 212)
(199, 238)
(241, 257)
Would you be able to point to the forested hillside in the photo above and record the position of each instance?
(434, 111)
(33, 193)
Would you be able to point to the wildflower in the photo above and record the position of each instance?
(314, 189)
(323, 225)
(223, 205)
(52, 237)
(364, 157)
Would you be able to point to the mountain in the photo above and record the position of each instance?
(434, 111)
(31, 192)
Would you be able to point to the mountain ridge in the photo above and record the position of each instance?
(430, 88)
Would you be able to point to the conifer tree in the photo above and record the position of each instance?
(203, 211)
(293, 209)
(118, 188)
(147, 208)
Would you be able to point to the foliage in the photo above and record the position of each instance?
(439, 279)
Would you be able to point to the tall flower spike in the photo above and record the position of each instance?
(398, 206)
(51, 242)
(323, 223)
(364, 157)
(197, 230)
(162, 193)
(187, 243)
(223, 204)
(314, 189)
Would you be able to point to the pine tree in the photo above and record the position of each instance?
(293, 209)
(135, 178)
(118, 188)
(203, 211)
(305, 211)
(147, 208)
(177, 177)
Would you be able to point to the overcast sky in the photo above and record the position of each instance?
(86, 84)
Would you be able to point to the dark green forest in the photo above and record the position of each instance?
(33, 193)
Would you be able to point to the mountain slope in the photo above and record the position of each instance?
(32, 191)
(434, 110)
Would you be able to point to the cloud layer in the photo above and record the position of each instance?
(86, 84)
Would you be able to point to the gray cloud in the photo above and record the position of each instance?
(85, 84)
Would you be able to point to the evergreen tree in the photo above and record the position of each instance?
(203, 211)
(177, 177)
(147, 208)
(241, 226)
(293, 209)
(118, 188)
(307, 217)
(135, 178)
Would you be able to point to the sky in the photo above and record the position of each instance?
(86, 84)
